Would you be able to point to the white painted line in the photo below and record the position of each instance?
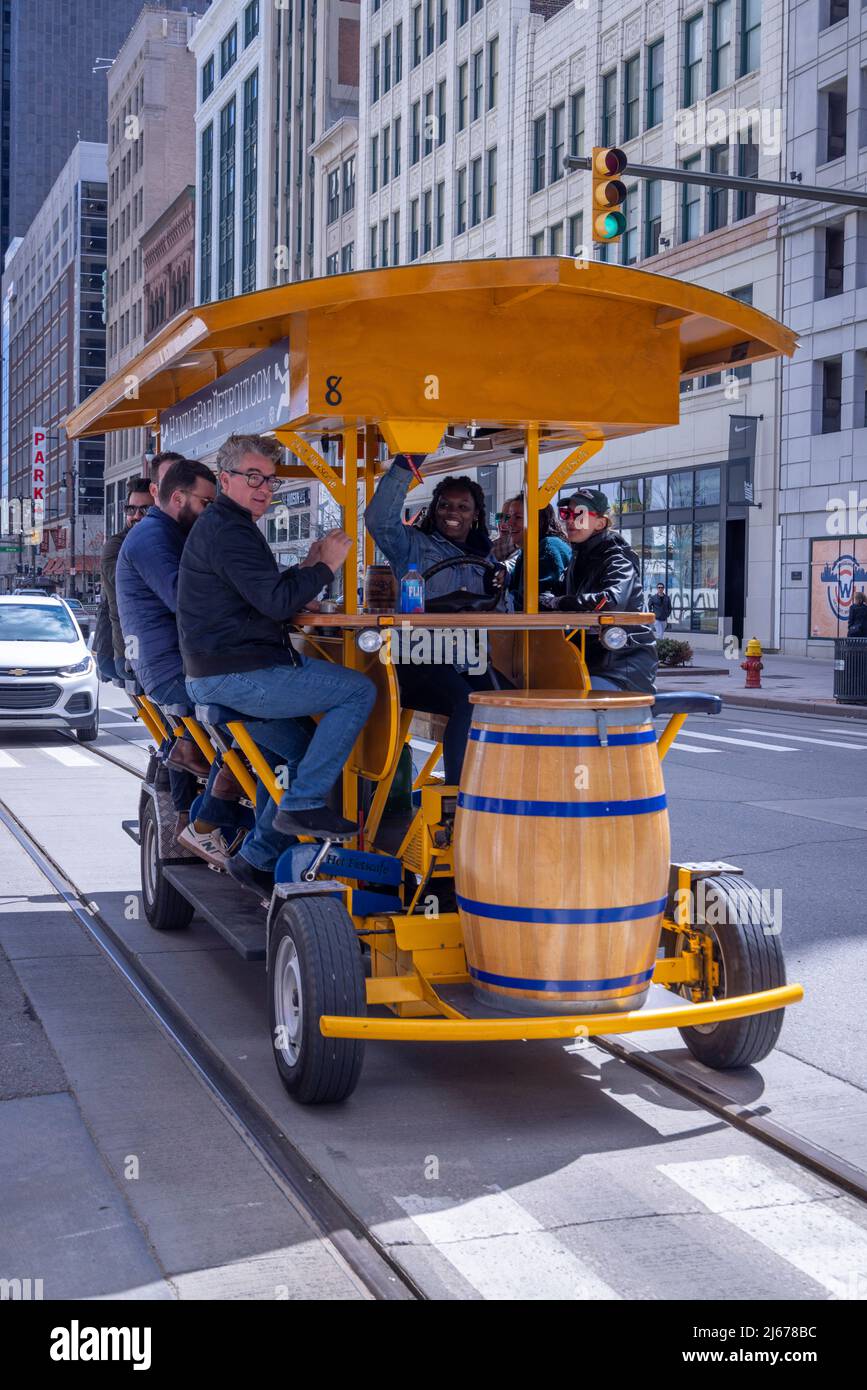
(6, 760)
(687, 748)
(802, 738)
(424, 744)
(70, 757)
(850, 733)
(503, 1251)
(800, 1224)
(743, 742)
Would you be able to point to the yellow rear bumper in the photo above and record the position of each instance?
(556, 1026)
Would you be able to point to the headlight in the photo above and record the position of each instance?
(614, 638)
(80, 669)
(369, 640)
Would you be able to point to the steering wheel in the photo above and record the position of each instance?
(464, 600)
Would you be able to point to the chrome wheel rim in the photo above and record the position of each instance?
(288, 1002)
(149, 861)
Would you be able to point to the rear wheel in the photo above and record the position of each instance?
(165, 908)
(314, 968)
(746, 948)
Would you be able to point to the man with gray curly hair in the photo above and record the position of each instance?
(233, 606)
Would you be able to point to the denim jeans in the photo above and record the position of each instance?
(443, 690)
(281, 696)
(183, 784)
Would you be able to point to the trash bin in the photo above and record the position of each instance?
(850, 670)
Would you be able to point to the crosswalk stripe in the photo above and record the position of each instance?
(850, 733)
(70, 757)
(744, 742)
(503, 1251)
(800, 1224)
(6, 760)
(802, 738)
(688, 748)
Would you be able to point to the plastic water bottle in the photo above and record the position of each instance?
(412, 591)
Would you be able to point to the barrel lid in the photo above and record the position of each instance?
(561, 699)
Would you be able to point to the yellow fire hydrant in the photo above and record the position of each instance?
(753, 664)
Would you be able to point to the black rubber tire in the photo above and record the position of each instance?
(750, 959)
(165, 908)
(319, 930)
(88, 733)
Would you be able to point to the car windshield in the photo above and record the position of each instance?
(72, 602)
(33, 622)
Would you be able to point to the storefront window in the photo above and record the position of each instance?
(679, 490)
(707, 487)
(705, 577)
(655, 557)
(632, 497)
(657, 493)
(680, 574)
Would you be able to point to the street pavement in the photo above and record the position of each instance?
(513, 1171)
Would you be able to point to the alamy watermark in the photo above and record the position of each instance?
(705, 125)
(466, 647)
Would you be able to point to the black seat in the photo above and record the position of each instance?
(119, 682)
(183, 710)
(133, 688)
(217, 714)
(686, 702)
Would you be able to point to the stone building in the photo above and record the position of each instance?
(169, 253)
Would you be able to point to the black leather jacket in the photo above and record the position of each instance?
(605, 568)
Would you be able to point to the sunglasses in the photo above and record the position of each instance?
(568, 512)
(141, 510)
(256, 479)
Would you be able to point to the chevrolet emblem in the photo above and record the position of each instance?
(19, 671)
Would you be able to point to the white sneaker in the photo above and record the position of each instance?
(209, 845)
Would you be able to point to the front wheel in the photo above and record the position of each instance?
(746, 948)
(314, 968)
(87, 733)
(165, 908)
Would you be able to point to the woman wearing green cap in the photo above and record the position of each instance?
(605, 573)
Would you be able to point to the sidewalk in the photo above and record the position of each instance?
(788, 683)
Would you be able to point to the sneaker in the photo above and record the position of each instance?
(258, 881)
(208, 845)
(319, 821)
(187, 757)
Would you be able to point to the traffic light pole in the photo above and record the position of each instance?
(808, 192)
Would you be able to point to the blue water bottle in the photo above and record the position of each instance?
(412, 591)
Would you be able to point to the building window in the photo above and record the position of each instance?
(478, 84)
(349, 184)
(429, 122)
(463, 12)
(690, 207)
(493, 71)
(558, 141)
(415, 151)
(834, 261)
(463, 87)
(475, 191)
(748, 168)
(373, 248)
(629, 242)
(693, 59)
(331, 264)
(837, 11)
(398, 52)
(395, 238)
(652, 216)
(416, 36)
(539, 154)
(576, 235)
(555, 240)
(206, 199)
(386, 153)
(347, 256)
(229, 50)
(249, 178)
(226, 273)
(832, 394)
(609, 108)
(751, 35)
(383, 242)
(537, 244)
(374, 73)
(631, 78)
(441, 112)
(836, 118)
(718, 198)
(655, 77)
(395, 146)
(576, 123)
(429, 28)
(426, 221)
(386, 62)
(440, 213)
(721, 45)
(207, 78)
(413, 230)
(461, 202)
(443, 26)
(491, 182)
(251, 22)
(374, 163)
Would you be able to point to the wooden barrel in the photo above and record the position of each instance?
(561, 850)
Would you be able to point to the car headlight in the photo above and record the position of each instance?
(369, 640)
(81, 668)
(614, 638)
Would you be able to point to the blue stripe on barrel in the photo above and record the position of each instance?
(566, 916)
(559, 986)
(560, 740)
(502, 806)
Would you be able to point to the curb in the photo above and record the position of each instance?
(829, 707)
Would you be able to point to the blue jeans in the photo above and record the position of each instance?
(183, 784)
(282, 696)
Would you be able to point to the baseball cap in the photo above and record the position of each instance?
(590, 498)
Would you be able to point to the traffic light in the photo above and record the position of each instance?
(609, 193)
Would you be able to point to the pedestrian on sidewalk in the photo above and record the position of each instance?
(660, 607)
(858, 615)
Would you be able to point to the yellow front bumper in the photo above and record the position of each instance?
(556, 1026)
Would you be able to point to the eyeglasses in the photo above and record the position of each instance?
(141, 510)
(256, 479)
(567, 513)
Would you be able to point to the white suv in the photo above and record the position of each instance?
(48, 677)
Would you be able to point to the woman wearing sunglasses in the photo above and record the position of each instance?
(605, 573)
(554, 552)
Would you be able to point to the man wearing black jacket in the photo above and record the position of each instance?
(233, 604)
(605, 573)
